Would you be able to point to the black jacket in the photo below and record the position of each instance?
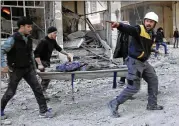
(159, 36)
(176, 34)
(45, 48)
(141, 42)
(20, 55)
(121, 49)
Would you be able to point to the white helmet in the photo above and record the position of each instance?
(152, 16)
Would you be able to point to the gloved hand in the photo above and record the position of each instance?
(41, 68)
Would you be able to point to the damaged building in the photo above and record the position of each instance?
(76, 21)
(82, 23)
(168, 12)
(67, 16)
(79, 24)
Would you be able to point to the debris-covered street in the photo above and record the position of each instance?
(83, 63)
(92, 96)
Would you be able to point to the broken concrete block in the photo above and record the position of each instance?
(76, 43)
(24, 107)
(3, 85)
(7, 122)
(75, 35)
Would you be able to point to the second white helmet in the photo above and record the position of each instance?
(152, 16)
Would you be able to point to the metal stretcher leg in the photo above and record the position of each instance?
(72, 84)
(114, 80)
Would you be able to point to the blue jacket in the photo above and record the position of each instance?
(140, 46)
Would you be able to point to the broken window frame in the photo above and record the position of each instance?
(95, 13)
(24, 13)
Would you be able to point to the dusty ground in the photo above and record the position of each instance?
(91, 97)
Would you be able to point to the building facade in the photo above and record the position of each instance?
(168, 12)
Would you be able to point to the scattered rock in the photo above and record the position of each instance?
(173, 62)
(145, 124)
(24, 107)
(7, 122)
(3, 85)
(165, 87)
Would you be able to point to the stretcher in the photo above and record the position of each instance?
(119, 72)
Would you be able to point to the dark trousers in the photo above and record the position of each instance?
(45, 82)
(176, 42)
(163, 44)
(136, 71)
(30, 77)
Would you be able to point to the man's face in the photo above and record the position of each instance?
(149, 24)
(54, 35)
(26, 29)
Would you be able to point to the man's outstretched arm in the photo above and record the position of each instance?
(128, 29)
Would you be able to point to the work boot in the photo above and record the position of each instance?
(154, 107)
(3, 116)
(48, 114)
(113, 106)
(121, 83)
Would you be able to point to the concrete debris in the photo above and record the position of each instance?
(7, 122)
(100, 56)
(75, 35)
(103, 43)
(75, 43)
(90, 107)
(23, 106)
(3, 84)
(90, 35)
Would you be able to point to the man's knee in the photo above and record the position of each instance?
(154, 76)
(133, 85)
(10, 93)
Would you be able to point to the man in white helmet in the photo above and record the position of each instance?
(139, 51)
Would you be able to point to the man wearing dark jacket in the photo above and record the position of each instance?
(159, 40)
(176, 37)
(18, 48)
(140, 49)
(43, 53)
(121, 50)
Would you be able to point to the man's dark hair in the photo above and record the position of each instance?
(24, 21)
(160, 28)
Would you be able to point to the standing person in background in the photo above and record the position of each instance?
(159, 40)
(176, 37)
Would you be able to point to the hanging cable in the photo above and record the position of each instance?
(137, 12)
